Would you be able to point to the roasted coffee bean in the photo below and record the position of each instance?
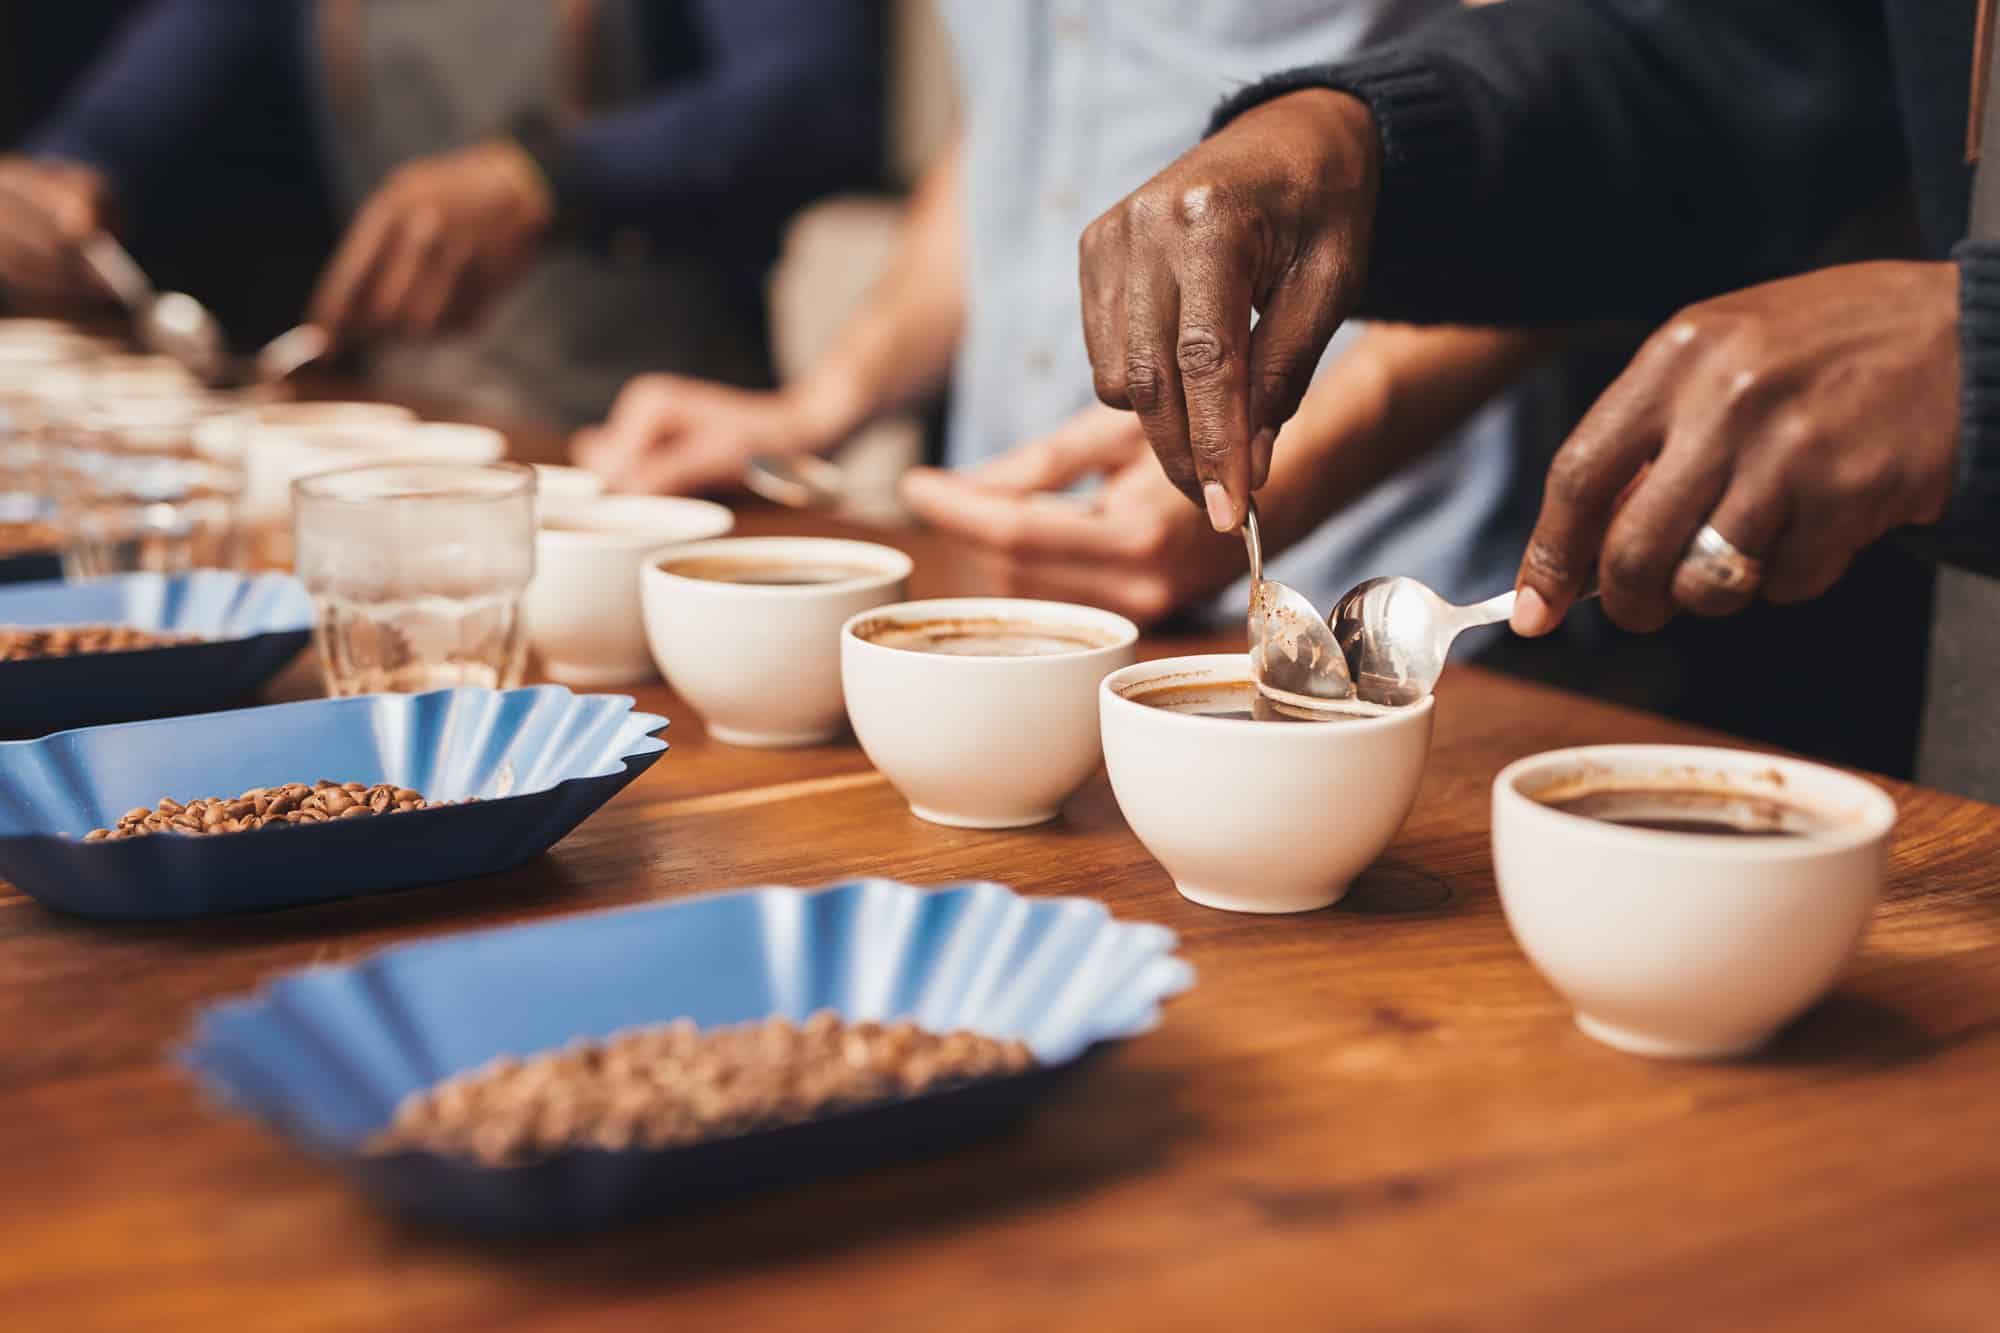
(266, 807)
(21, 644)
(672, 1085)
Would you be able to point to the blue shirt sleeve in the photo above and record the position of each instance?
(185, 78)
(785, 105)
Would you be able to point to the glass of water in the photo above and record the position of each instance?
(417, 572)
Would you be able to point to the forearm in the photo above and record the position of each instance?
(1395, 395)
(897, 349)
(1545, 160)
(786, 108)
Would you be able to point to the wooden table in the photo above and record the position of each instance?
(1375, 1116)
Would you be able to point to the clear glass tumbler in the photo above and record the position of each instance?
(417, 572)
(120, 513)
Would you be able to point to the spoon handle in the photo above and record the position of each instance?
(116, 269)
(1253, 542)
(1496, 609)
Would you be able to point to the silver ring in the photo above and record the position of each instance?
(1714, 559)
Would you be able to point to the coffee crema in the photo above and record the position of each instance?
(1234, 700)
(1707, 811)
(770, 572)
(981, 637)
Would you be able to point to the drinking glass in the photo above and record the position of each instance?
(417, 572)
(120, 513)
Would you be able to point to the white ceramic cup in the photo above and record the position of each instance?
(1687, 945)
(1257, 816)
(276, 456)
(982, 742)
(760, 662)
(558, 483)
(583, 609)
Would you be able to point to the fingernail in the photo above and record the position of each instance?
(1221, 514)
(1532, 616)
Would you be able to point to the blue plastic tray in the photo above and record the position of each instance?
(323, 1056)
(254, 625)
(539, 759)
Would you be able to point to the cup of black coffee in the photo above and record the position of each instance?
(1687, 901)
(982, 711)
(747, 629)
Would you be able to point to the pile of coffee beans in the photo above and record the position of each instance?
(267, 807)
(28, 537)
(672, 1085)
(19, 643)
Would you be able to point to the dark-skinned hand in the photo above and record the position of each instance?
(1274, 215)
(47, 211)
(1801, 419)
(439, 239)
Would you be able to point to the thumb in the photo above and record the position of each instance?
(1095, 440)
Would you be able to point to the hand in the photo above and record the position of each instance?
(669, 435)
(47, 211)
(1136, 548)
(1273, 213)
(1801, 419)
(440, 238)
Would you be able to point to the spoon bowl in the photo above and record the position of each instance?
(1293, 653)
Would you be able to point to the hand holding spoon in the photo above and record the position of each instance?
(1396, 632)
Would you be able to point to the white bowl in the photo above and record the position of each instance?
(558, 483)
(275, 457)
(1687, 945)
(224, 439)
(1258, 816)
(982, 742)
(583, 609)
(761, 663)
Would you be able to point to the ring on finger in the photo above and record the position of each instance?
(1715, 560)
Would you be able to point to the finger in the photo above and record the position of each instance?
(1101, 261)
(337, 302)
(689, 467)
(1212, 354)
(1141, 595)
(438, 299)
(1751, 516)
(1034, 525)
(1650, 531)
(1816, 547)
(409, 266)
(1297, 320)
(33, 250)
(1153, 377)
(646, 412)
(1618, 436)
(1094, 441)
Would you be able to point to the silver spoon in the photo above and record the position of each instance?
(797, 481)
(172, 324)
(288, 353)
(1396, 633)
(1294, 656)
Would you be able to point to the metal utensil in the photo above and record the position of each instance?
(1294, 656)
(172, 324)
(1396, 633)
(798, 481)
(288, 353)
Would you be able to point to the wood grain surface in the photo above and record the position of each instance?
(1374, 1116)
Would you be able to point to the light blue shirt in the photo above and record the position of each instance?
(1071, 104)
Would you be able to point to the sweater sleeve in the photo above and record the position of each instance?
(1549, 160)
(179, 80)
(786, 105)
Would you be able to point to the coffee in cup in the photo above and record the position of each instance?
(1230, 700)
(988, 636)
(767, 573)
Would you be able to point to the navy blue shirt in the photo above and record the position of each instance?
(754, 107)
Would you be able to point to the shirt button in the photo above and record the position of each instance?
(1069, 27)
(1062, 200)
(1040, 361)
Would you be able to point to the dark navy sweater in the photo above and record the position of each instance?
(1557, 160)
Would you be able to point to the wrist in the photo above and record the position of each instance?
(524, 179)
(826, 408)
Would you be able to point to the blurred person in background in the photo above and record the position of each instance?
(540, 198)
(1066, 106)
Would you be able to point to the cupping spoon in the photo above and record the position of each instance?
(1294, 656)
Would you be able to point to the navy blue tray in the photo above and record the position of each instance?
(541, 760)
(323, 1056)
(253, 626)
